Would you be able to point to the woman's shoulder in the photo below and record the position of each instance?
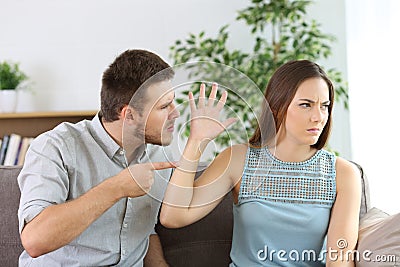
(345, 165)
(233, 159)
(234, 151)
(240, 148)
(346, 172)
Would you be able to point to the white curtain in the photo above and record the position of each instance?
(373, 28)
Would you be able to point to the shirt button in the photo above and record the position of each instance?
(123, 252)
(121, 152)
(125, 225)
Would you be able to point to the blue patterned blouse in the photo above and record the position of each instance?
(283, 210)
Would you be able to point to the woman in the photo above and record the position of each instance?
(289, 193)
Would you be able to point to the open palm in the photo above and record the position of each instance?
(205, 123)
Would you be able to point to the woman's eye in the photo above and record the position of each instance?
(305, 105)
(325, 107)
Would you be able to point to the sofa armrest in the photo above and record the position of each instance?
(10, 242)
(365, 194)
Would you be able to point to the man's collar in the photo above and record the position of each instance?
(103, 138)
(108, 144)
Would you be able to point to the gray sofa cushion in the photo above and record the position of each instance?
(204, 243)
(10, 244)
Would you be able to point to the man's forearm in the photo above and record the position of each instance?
(58, 225)
(155, 254)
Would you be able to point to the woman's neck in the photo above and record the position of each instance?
(292, 153)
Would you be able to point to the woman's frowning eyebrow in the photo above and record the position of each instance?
(313, 102)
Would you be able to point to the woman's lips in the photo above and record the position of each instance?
(314, 131)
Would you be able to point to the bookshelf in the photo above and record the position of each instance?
(34, 123)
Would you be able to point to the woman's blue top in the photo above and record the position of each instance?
(283, 210)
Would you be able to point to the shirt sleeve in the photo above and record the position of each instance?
(153, 232)
(43, 181)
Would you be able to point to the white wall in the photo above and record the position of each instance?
(373, 59)
(65, 45)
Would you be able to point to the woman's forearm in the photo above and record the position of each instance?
(179, 193)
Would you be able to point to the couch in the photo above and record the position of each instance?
(204, 243)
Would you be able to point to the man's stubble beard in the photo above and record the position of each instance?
(150, 138)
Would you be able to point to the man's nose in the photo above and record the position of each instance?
(174, 113)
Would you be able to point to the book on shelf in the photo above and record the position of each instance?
(26, 141)
(13, 149)
(3, 148)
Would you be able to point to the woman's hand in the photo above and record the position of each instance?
(205, 124)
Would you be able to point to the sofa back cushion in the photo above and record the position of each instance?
(206, 242)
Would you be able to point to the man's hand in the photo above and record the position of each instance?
(136, 180)
(205, 124)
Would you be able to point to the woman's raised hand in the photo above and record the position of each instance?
(205, 124)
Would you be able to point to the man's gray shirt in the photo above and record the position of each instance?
(63, 164)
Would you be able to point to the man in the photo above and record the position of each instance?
(87, 192)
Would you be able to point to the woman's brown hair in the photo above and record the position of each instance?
(280, 92)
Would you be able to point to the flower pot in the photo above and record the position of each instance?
(8, 101)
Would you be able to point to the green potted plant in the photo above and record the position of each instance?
(11, 79)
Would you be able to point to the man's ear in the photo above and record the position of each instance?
(129, 114)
